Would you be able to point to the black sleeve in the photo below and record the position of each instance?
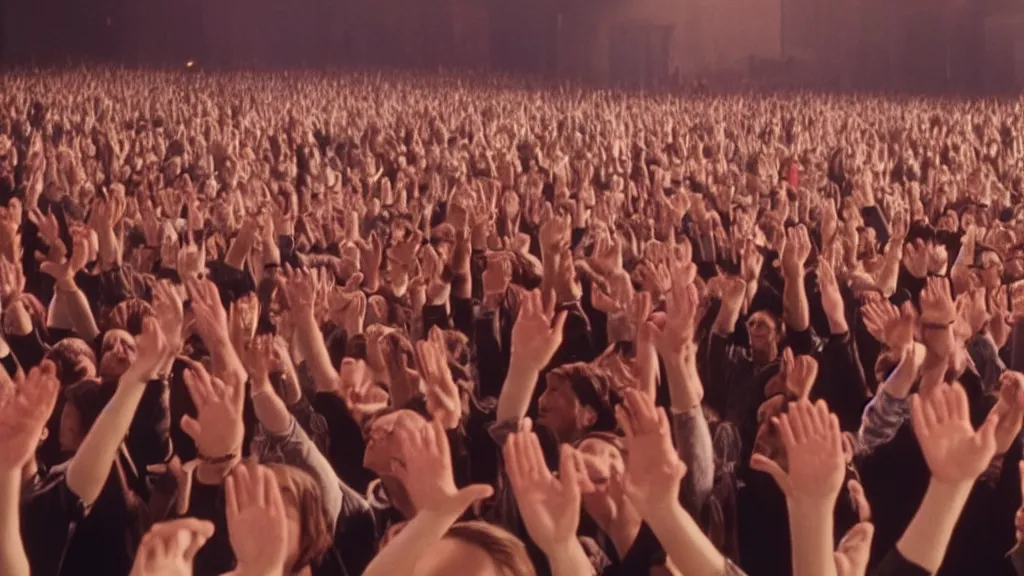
(894, 564)
(207, 503)
(49, 517)
(149, 436)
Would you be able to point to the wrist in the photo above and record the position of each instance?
(215, 473)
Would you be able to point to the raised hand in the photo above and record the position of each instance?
(170, 314)
(854, 550)
(443, 399)
(954, 451)
(653, 468)
(796, 251)
(257, 525)
(217, 428)
(425, 469)
(169, 547)
(300, 289)
(937, 307)
(672, 336)
(1009, 409)
(23, 414)
(211, 318)
(891, 326)
(537, 332)
(549, 506)
(814, 450)
(152, 352)
(831, 297)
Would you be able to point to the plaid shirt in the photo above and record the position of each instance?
(882, 418)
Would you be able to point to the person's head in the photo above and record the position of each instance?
(990, 269)
(765, 332)
(117, 353)
(382, 444)
(476, 549)
(74, 359)
(83, 403)
(576, 400)
(310, 534)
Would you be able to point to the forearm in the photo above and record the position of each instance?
(811, 528)
(795, 310)
(401, 555)
(239, 249)
(695, 449)
(270, 410)
(647, 368)
(13, 560)
(516, 392)
(685, 388)
(87, 472)
(725, 321)
(312, 348)
(925, 540)
(685, 543)
(76, 305)
(570, 560)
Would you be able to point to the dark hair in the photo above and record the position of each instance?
(593, 388)
(70, 356)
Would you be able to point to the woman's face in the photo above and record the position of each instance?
(454, 556)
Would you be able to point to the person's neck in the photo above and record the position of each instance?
(764, 357)
(398, 496)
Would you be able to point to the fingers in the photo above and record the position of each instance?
(860, 500)
(764, 464)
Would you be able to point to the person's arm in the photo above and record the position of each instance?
(88, 469)
(23, 417)
(796, 311)
(549, 507)
(307, 333)
(653, 475)
(811, 484)
(77, 308)
(956, 455)
(241, 245)
(730, 308)
(13, 559)
(536, 336)
(426, 455)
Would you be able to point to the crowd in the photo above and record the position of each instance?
(340, 324)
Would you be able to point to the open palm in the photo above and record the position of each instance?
(951, 447)
(24, 414)
(550, 507)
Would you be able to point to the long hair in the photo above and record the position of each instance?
(300, 490)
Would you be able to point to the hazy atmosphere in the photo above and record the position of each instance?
(921, 45)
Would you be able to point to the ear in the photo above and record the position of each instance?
(586, 417)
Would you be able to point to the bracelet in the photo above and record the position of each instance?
(219, 459)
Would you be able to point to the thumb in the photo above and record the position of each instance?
(987, 432)
(770, 467)
(465, 497)
(190, 426)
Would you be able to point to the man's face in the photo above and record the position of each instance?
(763, 331)
(383, 445)
(560, 407)
(118, 353)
